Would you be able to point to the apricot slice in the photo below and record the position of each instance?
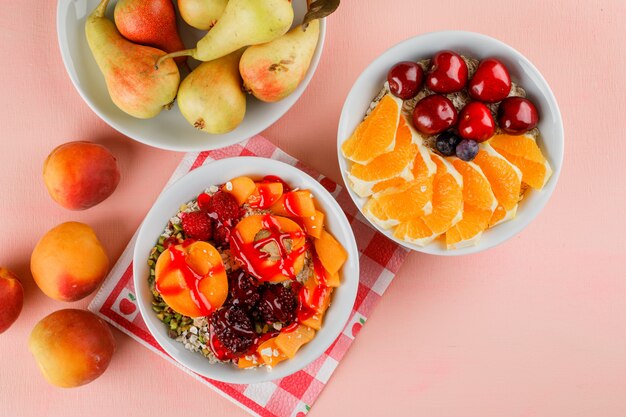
(191, 279)
(269, 353)
(314, 224)
(270, 248)
(295, 204)
(333, 280)
(244, 362)
(265, 194)
(290, 342)
(241, 188)
(330, 252)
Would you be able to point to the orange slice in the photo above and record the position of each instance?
(479, 204)
(505, 180)
(376, 134)
(389, 165)
(447, 207)
(523, 152)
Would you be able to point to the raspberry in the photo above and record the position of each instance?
(221, 234)
(223, 207)
(203, 201)
(243, 290)
(197, 225)
(278, 304)
(233, 329)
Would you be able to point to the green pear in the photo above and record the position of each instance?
(211, 97)
(201, 14)
(244, 23)
(134, 84)
(273, 70)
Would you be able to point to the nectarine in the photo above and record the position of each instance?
(72, 347)
(11, 298)
(80, 175)
(69, 262)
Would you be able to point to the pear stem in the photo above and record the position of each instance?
(186, 52)
(101, 9)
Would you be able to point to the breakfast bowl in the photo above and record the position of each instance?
(545, 138)
(189, 195)
(169, 130)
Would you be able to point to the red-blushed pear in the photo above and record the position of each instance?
(150, 23)
(244, 23)
(134, 84)
(71, 347)
(201, 14)
(273, 70)
(211, 97)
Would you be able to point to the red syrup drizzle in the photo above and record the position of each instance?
(254, 261)
(316, 295)
(265, 198)
(274, 178)
(178, 262)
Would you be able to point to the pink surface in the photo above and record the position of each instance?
(534, 327)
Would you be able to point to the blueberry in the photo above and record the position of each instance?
(467, 149)
(446, 142)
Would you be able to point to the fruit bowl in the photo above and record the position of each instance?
(169, 130)
(188, 188)
(522, 71)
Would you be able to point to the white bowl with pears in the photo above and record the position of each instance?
(117, 78)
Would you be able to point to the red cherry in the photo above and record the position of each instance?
(476, 122)
(405, 79)
(356, 328)
(491, 82)
(448, 73)
(127, 307)
(434, 114)
(517, 115)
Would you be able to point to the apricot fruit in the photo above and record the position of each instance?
(295, 204)
(240, 188)
(11, 298)
(262, 261)
(199, 265)
(79, 175)
(330, 252)
(69, 262)
(72, 347)
(290, 342)
(265, 194)
(269, 353)
(314, 225)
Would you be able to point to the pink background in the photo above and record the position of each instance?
(535, 327)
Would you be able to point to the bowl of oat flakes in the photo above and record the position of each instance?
(246, 270)
(450, 143)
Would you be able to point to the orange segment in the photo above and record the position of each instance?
(447, 207)
(505, 180)
(479, 204)
(396, 163)
(376, 134)
(523, 152)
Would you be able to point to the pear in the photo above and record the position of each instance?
(244, 22)
(134, 84)
(201, 14)
(211, 97)
(273, 70)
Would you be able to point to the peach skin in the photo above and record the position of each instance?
(11, 298)
(69, 262)
(79, 175)
(71, 347)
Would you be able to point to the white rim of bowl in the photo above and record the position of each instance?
(519, 225)
(352, 250)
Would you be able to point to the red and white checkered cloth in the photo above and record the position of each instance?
(380, 259)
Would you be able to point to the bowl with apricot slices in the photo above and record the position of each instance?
(245, 265)
(450, 143)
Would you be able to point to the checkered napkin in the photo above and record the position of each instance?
(293, 395)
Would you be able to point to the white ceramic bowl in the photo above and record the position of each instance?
(189, 187)
(479, 46)
(169, 130)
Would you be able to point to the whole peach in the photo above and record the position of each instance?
(80, 175)
(72, 347)
(69, 262)
(11, 298)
